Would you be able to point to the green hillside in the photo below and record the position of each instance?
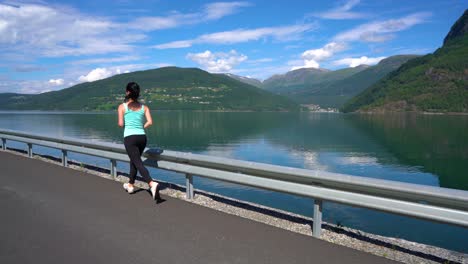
(7, 98)
(163, 88)
(306, 80)
(335, 94)
(437, 82)
(331, 88)
(294, 81)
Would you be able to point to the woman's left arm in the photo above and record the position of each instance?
(149, 120)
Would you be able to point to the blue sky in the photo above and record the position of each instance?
(50, 45)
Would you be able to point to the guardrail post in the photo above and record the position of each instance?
(189, 186)
(317, 227)
(30, 153)
(3, 143)
(113, 169)
(64, 158)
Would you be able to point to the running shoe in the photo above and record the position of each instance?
(128, 188)
(154, 189)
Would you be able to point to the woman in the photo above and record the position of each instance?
(132, 116)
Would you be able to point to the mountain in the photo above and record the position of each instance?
(459, 29)
(6, 98)
(331, 88)
(247, 80)
(301, 85)
(163, 88)
(295, 80)
(335, 94)
(436, 82)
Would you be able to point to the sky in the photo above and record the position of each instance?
(51, 45)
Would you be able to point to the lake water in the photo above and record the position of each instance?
(424, 149)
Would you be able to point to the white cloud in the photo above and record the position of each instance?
(323, 53)
(212, 11)
(96, 74)
(48, 31)
(44, 30)
(307, 64)
(106, 72)
(29, 68)
(380, 31)
(342, 12)
(217, 62)
(158, 23)
(56, 81)
(259, 61)
(353, 62)
(222, 9)
(3, 25)
(105, 60)
(175, 44)
(242, 35)
(28, 86)
(311, 58)
(69, 79)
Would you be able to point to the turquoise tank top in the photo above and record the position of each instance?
(134, 121)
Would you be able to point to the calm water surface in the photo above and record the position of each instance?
(424, 149)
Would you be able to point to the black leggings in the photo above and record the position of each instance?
(135, 145)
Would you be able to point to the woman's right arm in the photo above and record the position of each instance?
(120, 113)
(149, 119)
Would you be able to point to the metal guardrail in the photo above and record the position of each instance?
(414, 200)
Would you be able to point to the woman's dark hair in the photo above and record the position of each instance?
(134, 90)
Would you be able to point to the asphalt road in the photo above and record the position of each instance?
(52, 214)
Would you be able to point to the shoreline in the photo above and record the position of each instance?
(408, 112)
(157, 110)
(237, 111)
(388, 247)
